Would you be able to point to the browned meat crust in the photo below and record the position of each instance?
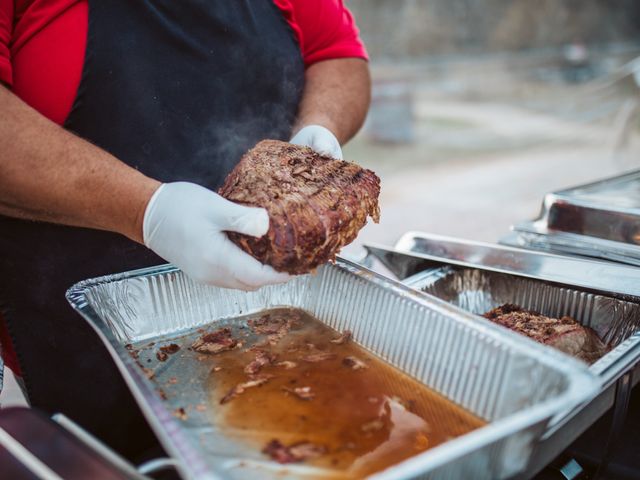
(163, 352)
(316, 204)
(170, 349)
(267, 325)
(215, 342)
(565, 333)
(354, 363)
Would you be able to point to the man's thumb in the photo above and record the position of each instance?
(248, 220)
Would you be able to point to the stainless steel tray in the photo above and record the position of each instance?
(514, 384)
(601, 219)
(416, 251)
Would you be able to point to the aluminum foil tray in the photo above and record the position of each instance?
(516, 385)
(417, 251)
(617, 322)
(601, 220)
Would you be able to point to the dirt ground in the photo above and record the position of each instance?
(481, 160)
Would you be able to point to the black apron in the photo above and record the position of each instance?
(179, 90)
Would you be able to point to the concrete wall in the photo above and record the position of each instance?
(414, 28)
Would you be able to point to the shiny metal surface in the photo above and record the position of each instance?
(574, 423)
(415, 251)
(601, 220)
(534, 236)
(617, 322)
(517, 386)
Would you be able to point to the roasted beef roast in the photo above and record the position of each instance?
(316, 204)
(564, 333)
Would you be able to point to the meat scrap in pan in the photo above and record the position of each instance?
(240, 388)
(344, 337)
(215, 342)
(303, 393)
(163, 352)
(261, 359)
(316, 204)
(565, 333)
(296, 452)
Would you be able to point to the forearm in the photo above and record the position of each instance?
(48, 174)
(336, 96)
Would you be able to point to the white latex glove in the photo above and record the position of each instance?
(320, 139)
(185, 224)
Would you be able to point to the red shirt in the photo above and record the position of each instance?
(42, 47)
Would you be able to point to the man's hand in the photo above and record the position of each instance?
(185, 224)
(48, 174)
(320, 139)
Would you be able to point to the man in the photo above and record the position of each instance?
(158, 99)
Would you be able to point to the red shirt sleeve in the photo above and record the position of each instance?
(6, 25)
(325, 29)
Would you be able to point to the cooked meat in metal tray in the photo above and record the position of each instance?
(565, 334)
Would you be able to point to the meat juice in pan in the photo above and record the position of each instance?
(308, 386)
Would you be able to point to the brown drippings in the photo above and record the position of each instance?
(364, 420)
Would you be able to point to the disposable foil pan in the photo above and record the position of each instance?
(601, 219)
(516, 385)
(616, 321)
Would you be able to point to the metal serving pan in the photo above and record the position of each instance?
(617, 322)
(600, 219)
(479, 276)
(416, 251)
(514, 384)
(568, 277)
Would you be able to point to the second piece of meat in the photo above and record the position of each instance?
(565, 334)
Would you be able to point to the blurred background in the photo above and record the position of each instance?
(480, 107)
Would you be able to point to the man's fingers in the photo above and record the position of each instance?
(319, 138)
(328, 148)
(251, 272)
(258, 275)
(241, 219)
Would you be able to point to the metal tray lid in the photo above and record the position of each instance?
(600, 219)
(417, 251)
